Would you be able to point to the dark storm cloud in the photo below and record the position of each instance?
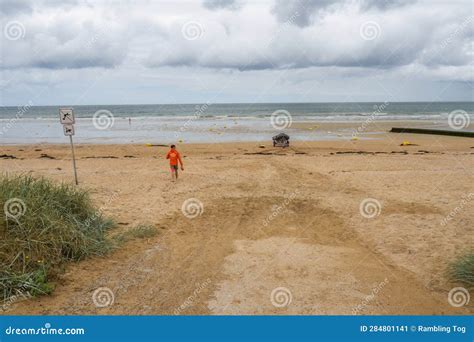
(308, 10)
(295, 60)
(67, 40)
(385, 4)
(23, 7)
(335, 42)
(10, 7)
(305, 9)
(75, 63)
(254, 36)
(218, 4)
(163, 51)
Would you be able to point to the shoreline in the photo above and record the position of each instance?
(377, 139)
(209, 131)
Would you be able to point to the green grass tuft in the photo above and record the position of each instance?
(42, 226)
(462, 270)
(142, 231)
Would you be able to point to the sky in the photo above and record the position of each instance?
(227, 51)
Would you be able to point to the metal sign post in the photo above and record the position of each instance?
(73, 160)
(66, 117)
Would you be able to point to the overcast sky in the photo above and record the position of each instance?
(129, 52)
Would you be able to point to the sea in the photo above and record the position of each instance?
(217, 122)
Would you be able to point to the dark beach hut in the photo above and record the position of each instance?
(281, 140)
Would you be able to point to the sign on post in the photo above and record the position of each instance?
(68, 130)
(66, 117)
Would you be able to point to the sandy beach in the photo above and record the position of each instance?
(274, 224)
(227, 170)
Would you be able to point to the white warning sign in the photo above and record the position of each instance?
(66, 116)
(68, 129)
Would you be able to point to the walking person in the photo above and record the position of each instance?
(175, 158)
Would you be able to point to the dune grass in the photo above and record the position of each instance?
(42, 226)
(141, 231)
(462, 270)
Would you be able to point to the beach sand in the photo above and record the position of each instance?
(280, 231)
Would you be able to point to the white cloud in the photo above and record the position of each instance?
(427, 40)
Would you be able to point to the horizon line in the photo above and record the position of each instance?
(230, 103)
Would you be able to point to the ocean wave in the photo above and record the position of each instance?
(337, 117)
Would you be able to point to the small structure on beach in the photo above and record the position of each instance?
(281, 140)
(468, 134)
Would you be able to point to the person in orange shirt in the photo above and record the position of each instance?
(174, 157)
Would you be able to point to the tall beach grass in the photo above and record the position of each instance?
(43, 225)
(462, 270)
